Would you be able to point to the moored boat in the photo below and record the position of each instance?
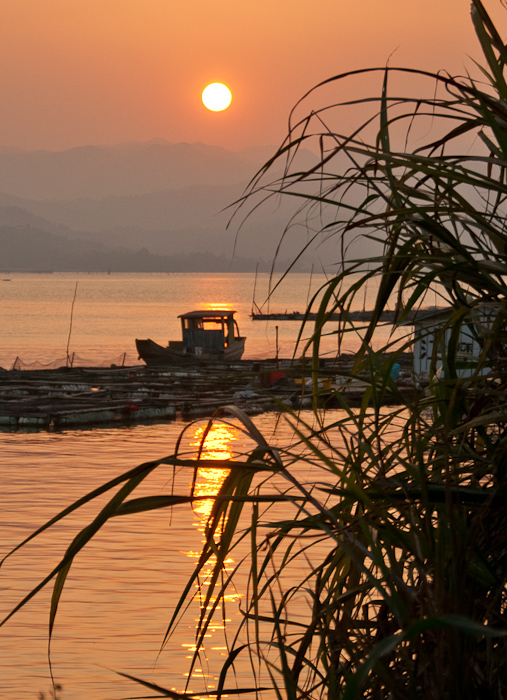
(208, 335)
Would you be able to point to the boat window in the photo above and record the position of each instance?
(210, 323)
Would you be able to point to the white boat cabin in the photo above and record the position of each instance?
(430, 329)
(209, 331)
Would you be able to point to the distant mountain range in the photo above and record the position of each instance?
(127, 169)
(152, 206)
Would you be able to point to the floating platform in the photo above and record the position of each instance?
(362, 316)
(70, 398)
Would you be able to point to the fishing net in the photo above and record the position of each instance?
(75, 360)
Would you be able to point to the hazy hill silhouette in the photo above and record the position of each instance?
(96, 172)
(165, 199)
(27, 249)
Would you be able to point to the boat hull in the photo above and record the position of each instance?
(156, 355)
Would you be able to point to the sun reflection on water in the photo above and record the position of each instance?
(217, 445)
(218, 306)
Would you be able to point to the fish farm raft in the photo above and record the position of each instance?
(85, 397)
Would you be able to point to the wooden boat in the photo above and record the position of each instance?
(208, 335)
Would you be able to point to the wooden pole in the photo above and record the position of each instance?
(70, 326)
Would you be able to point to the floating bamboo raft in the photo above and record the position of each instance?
(364, 316)
(85, 397)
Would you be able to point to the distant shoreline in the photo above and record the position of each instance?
(364, 315)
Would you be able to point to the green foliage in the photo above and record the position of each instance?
(410, 600)
(385, 575)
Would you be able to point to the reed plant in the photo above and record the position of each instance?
(383, 574)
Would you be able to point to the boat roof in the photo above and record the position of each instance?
(432, 313)
(441, 313)
(208, 313)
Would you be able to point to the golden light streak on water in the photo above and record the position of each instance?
(217, 445)
(219, 306)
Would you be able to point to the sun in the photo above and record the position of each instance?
(216, 97)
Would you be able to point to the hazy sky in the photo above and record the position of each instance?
(77, 72)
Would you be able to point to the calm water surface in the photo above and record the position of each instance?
(123, 586)
(37, 313)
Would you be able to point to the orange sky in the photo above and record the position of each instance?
(77, 72)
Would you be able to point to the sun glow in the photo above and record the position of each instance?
(216, 97)
(218, 445)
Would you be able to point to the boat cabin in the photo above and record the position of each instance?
(432, 334)
(208, 335)
(208, 331)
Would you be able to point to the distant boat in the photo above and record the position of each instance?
(207, 335)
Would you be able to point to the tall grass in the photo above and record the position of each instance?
(385, 576)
